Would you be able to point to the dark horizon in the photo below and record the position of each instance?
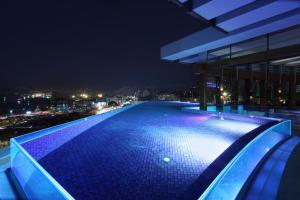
(95, 45)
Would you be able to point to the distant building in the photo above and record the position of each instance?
(169, 97)
(145, 94)
(33, 95)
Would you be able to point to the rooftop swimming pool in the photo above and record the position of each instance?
(152, 150)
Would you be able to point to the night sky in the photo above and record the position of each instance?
(97, 45)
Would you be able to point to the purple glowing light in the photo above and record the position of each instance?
(200, 118)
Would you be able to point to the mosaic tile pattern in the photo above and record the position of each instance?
(41, 146)
(151, 151)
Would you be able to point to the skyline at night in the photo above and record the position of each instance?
(139, 100)
(96, 45)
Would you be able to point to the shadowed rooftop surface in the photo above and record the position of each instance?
(151, 151)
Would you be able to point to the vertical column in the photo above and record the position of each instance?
(219, 90)
(262, 94)
(235, 87)
(249, 87)
(252, 92)
(278, 90)
(264, 87)
(202, 88)
(292, 89)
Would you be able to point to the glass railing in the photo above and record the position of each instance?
(232, 178)
(35, 181)
(284, 39)
(272, 41)
(249, 47)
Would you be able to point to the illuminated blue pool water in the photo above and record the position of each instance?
(151, 151)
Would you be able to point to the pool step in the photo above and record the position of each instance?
(4, 158)
(8, 190)
(266, 182)
(9, 186)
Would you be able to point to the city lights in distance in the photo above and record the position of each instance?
(100, 95)
(85, 96)
(45, 95)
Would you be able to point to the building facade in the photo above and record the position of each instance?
(248, 53)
